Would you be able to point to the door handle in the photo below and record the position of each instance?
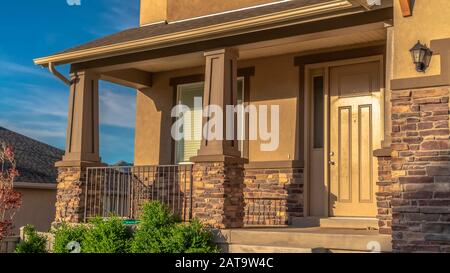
(332, 154)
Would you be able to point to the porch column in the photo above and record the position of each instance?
(218, 170)
(82, 147)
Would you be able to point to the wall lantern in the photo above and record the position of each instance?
(421, 55)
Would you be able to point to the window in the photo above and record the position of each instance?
(186, 95)
(318, 122)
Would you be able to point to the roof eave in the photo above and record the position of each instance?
(199, 34)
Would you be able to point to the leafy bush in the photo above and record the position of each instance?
(66, 234)
(154, 228)
(194, 238)
(160, 232)
(33, 243)
(106, 236)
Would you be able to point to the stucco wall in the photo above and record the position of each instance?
(430, 21)
(38, 209)
(268, 86)
(183, 9)
(173, 10)
(153, 11)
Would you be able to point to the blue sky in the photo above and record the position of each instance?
(32, 101)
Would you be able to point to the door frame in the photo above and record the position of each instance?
(311, 71)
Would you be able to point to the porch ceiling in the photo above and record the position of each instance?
(303, 44)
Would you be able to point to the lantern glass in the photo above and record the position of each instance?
(421, 56)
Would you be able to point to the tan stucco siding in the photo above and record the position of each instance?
(430, 21)
(38, 209)
(183, 9)
(153, 119)
(276, 82)
(173, 10)
(153, 11)
(268, 86)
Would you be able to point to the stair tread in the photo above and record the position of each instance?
(310, 238)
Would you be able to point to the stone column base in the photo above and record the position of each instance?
(70, 195)
(385, 188)
(218, 194)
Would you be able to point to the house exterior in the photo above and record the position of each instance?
(36, 181)
(364, 136)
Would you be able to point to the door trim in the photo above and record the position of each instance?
(309, 73)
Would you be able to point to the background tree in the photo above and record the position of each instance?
(10, 200)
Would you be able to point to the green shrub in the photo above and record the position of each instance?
(66, 234)
(33, 243)
(189, 238)
(160, 232)
(106, 236)
(154, 228)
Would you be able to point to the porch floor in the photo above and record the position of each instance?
(302, 240)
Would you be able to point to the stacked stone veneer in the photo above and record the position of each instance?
(384, 194)
(421, 170)
(218, 199)
(273, 196)
(70, 195)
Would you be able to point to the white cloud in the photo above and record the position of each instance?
(117, 108)
(118, 16)
(12, 69)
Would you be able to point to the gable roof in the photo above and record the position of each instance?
(35, 160)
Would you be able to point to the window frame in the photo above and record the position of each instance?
(244, 98)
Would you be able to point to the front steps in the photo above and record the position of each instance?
(302, 240)
(336, 222)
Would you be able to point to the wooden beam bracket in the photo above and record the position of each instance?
(406, 7)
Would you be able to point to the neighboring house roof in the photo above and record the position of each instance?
(35, 160)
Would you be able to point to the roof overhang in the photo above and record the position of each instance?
(268, 21)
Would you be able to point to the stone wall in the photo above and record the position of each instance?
(420, 162)
(273, 196)
(218, 194)
(384, 194)
(70, 195)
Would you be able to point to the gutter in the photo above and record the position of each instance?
(206, 32)
(57, 74)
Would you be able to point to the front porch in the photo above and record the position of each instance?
(234, 184)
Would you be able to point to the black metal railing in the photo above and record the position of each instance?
(121, 191)
(265, 212)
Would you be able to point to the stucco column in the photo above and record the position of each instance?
(219, 169)
(82, 147)
(82, 143)
(221, 90)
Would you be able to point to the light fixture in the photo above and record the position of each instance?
(421, 55)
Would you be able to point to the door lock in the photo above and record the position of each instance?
(331, 162)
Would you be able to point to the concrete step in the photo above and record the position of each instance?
(266, 249)
(336, 222)
(271, 249)
(304, 240)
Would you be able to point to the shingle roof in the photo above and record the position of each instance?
(164, 28)
(35, 160)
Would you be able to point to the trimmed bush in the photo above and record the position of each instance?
(33, 243)
(66, 234)
(153, 230)
(106, 236)
(160, 232)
